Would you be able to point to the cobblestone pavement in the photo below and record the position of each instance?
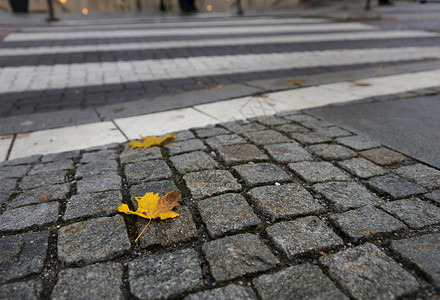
(279, 207)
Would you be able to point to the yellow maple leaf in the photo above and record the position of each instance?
(149, 141)
(293, 82)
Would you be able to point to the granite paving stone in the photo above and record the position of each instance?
(14, 171)
(424, 252)
(156, 187)
(29, 216)
(288, 152)
(29, 290)
(29, 160)
(193, 161)
(271, 120)
(321, 171)
(208, 183)
(96, 168)
(99, 183)
(309, 138)
(60, 156)
(266, 137)
(434, 196)
(111, 146)
(52, 166)
(286, 128)
(92, 241)
(300, 118)
(316, 124)
(362, 168)
(168, 232)
(383, 156)
(423, 175)
(209, 132)
(183, 135)
(414, 212)
(90, 157)
(102, 281)
(345, 195)
(22, 254)
(365, 223)
(186, 146)
(284, 201)
(297, 282)
(7, 188)
(234, 154)
(147, 171)
(239, 127)
(165, 275)
(139, 154)
(365, 272)
(237, 256)
(303, 236)
(333, 131)
(358, 142)
(261, 173)
(40, 195)
(94, 204)
(34, 181)
(224, 140)
(231, 291)
(332, 152)
(395, 186)
(226, 213)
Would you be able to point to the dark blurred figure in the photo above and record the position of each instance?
(187, 5)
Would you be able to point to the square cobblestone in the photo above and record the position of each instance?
(239, 127)
(358, 142)
(261, 173)
(266, 137)
(34, 181)
(29, 160)
(310, 138)
(231, 292)
(7, 188)
(303, 236)
(241, 153)
(52, 166)
(237, 256)
(434, 196)
(157, 187)
(365, 272)
(91, 157)
(287, 128)
(226, 213)
(91, 282)
(29, 216)
(362, 168)
(316, 124)
(423, 175)
(208, 183)
(383, 156)
(332, 152)
(424, 252)
(347, 195)
(165, 275)
(297, 282)
(60, 156)
(147, 171)
(288, 152)
(14, 171)
(301, 118)
(321, 171)
(168, 232)
(284, 201)
(22, 254)
(395, 186)
(96, 168)
(183, 135)
(40, 195)
(139, 154)
(366, 223)
(271, 120)
(414, 212)
(92, 241)
(193, 161)
(29, 290)
(186, 146)
(107, 181)
(209, 132)
(333, 131)
(224, 140)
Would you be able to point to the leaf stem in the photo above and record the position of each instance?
(142, 231)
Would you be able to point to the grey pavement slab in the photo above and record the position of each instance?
(288, 152)
(224, 140)
(91, 157)
(186, 146)
(26, 217)
(157, 187)
(395, 186)
(33, 159)
(208, 183)
(209, 132)
(271, 120)
(301, 118)
(139, 154)
(60, 156)
(266, 137)
(242, 127)
(314, 172)
(14, 171)
(193, 161)
(34, 181)
(183, 135)
(106, 181)
(40, 195)
(362, 168)
(309, 138)
(358, 142)
(434, 196)
(286, 128)
(261, 173)
(241, 153)
(333, 131)
(97, 167)
(421, 174)
(332, 151)
(231, 291)
(66, 164)
(383, 156)
(7, 188)
(29, 290)
(151, 170)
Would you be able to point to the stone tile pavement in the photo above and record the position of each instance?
(279, 207)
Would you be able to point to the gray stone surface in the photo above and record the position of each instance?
(286, 128)
(209, 132)
(271, 120)
(362, 168)
(226, 213)
(366, 223)
(316, 124)
(300, 118)
(168, 232)
(106, 181)
(102, 281)
(90, 157)
(139, 154)
(297, 282)
(414, 212)
(261, 173)
(92, 241)
(423, 175)
(229, 292)
(33, 159)
(395, 186)
(321, 171)
(303, 236)
(266, 137)
(40, 195)
(237, 256)
(332, 152)
(26, 290)
(224, 140)
(241, 127)
(310, 137)
(183, 135)
(358, 142)
(93, 205)
(424, 252)
(60, 156)
(7, 187)
(66, 164)
(14, 171)
(434, 196)
(284, 201)
(383, 156)
(147, 171)
(288, 152)
(165, 275)
(29, 216)
(365, 272)
(22, 254)
(97, 167)
(241, 153)
(186, 146)
(346, 195)
(34, 181)
(193, 161)
(333, 131)
(208, 183)
(156, 187)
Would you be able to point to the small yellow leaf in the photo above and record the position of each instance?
(357, 83)
(293, 82)
(150, 141)
(44, 197)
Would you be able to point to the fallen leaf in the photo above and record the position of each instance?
(44, 197)
(150, 141)
(293, 82)
(357, 83)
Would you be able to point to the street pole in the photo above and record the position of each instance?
(367, 5)
(51, 12)
(239, 8)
